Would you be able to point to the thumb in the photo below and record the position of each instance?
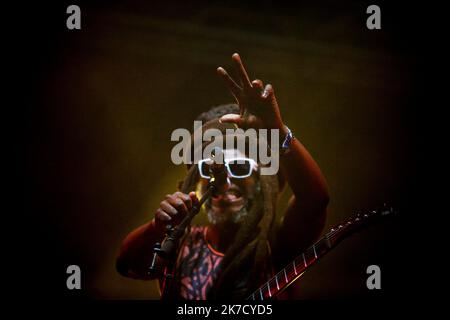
(193, 196)
(231, 118)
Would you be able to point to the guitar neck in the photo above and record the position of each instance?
(294, 270)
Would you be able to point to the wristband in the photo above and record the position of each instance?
(287, 140)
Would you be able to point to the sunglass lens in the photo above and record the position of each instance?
(240, 168)
(204, 169)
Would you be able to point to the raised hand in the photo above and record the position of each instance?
(257, 103)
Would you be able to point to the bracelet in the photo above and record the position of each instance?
(287, 140)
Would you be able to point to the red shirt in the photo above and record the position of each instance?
(198, 266)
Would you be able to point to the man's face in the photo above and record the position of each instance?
(231, 205)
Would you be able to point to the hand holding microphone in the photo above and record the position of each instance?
(174, 208)
(218, 183)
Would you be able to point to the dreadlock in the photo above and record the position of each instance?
(250, 242)
(250, 249)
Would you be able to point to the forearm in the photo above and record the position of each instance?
(136, 252)
(303, 175)
(306, 212)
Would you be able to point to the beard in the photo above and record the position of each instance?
(234, 212)
(216, 218)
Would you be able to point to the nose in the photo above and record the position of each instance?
(221, 180)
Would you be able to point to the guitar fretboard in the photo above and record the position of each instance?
(292, 271)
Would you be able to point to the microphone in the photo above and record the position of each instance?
(218, 173)
(218, 183)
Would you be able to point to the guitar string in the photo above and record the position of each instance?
(328, 236)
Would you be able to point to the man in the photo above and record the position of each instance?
(243, 244)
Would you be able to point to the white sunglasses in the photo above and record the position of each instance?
(236, 167)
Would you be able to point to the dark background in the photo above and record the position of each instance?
(98, 106)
